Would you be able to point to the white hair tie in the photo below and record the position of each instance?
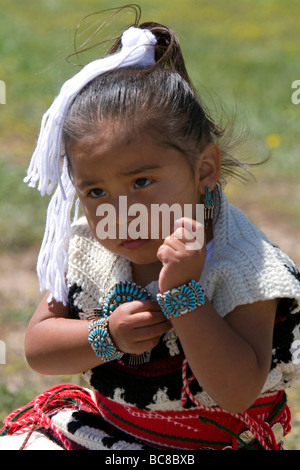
(44, 169)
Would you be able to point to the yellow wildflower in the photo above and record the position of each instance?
(272, 141)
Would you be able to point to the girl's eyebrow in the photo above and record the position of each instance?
(131, 171)
(87, 184)
(141, 169)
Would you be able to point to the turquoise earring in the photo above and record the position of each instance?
(208, 207)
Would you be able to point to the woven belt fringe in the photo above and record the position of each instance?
(192, 429)
(37, 414)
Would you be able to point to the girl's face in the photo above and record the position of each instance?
(140, 172)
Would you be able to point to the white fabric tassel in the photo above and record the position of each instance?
(44, 169)
(53, 260)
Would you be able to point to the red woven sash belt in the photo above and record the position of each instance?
(262, 426)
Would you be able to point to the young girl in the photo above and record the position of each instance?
(185, 346)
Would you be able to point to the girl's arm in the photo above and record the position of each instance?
(58, 345)
(229, 357)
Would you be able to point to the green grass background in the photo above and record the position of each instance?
(242, 56)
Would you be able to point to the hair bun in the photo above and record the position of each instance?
(167, 50)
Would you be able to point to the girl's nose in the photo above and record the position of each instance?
(128, 209)
(121, 205)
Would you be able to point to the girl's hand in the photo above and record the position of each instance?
(182, 254)
(136, 327)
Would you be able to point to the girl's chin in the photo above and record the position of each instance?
(140, 251)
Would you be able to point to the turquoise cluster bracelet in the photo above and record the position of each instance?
(99, 337)
(122, 292)
(101, 342)
(173, 303)
(181, 300)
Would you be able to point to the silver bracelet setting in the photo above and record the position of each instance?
(101, 342)
(99, 337)
(181, 300)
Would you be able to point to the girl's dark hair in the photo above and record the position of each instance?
(159, 100)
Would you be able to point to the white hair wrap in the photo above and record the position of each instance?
(44, 169)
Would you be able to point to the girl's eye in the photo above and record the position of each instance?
(142, 182)
(97, 192)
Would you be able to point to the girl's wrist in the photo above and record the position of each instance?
(181, 300)
(101, 340)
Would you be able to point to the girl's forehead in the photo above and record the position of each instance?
(123, 156)
(102, 147)
(104, 137)
(112, 141)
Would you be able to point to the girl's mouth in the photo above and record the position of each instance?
(133, 244)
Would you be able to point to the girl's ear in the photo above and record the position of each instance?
(209, 167)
